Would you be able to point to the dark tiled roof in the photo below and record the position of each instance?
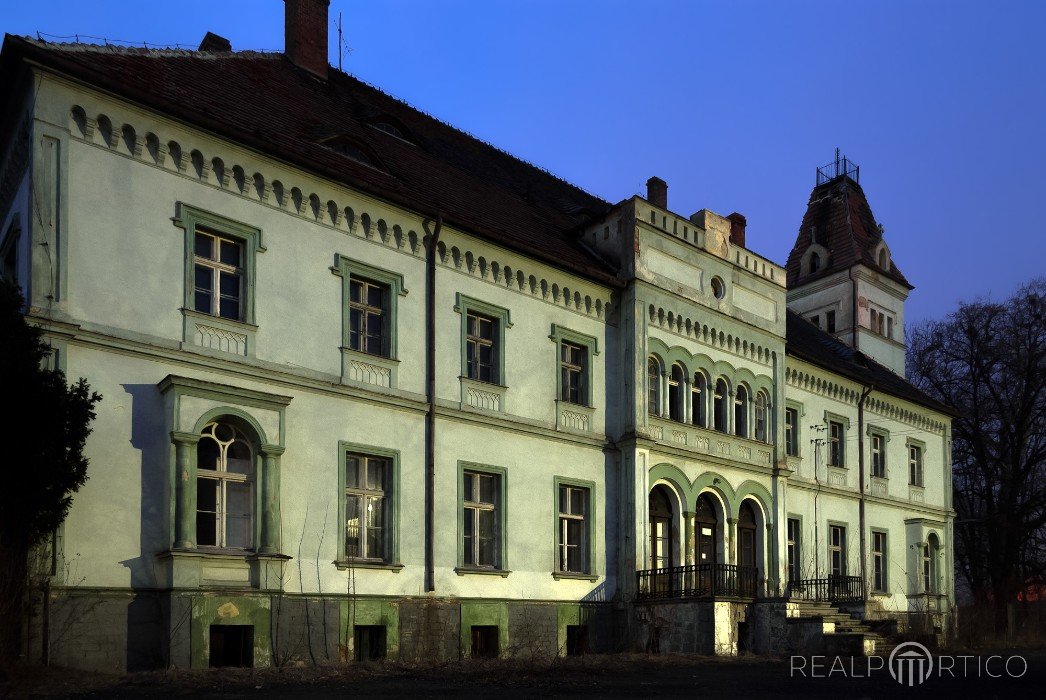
(841, 213)
(808, 342)
(266, 103)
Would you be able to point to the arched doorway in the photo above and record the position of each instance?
(706, 543)
(748, 555)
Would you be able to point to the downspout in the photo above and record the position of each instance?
(430, 396)
(861, 501)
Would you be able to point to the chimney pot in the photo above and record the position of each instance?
(737, 229)
(305, 35)
(657, 192)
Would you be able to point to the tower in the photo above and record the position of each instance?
(841, 275)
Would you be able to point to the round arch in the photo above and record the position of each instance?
(222, 411)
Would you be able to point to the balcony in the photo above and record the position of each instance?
(697, 582)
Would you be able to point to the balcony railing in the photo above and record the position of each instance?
(831, 589)
(697, 581)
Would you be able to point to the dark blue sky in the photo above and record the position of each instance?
(943, 104)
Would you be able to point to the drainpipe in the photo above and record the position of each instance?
(430, 395)
(860, 470)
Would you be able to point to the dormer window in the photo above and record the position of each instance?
(350, 149)
(815, 263)
(393, 128)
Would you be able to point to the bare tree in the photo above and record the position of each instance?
(988, 360)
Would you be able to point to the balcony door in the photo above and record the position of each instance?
(660, 508)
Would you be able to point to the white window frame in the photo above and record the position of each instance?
(223, 477)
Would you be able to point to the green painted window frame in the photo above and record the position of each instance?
(188, 218)
(875, 431)
(885, 557)
(501, 568)
(464, 305)
(799, 544)
(830, 418)
(346, 268)
(908, 445)
(797, 428)
(560, 334)
(392, 561)
(590, 528)
(845, 545)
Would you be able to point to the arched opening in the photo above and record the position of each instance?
(225, 485)
(747, 549)
(719, 405)
(707, 522)
(676, 387)
(815, 263)
(653, 381)
(661, 529)
(698, 395)
(931, 550)
(761, 417)
(741, 411)
(884, 259)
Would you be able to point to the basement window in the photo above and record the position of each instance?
(232, 645)
(577, 640)
(370, 642)
(484, 642)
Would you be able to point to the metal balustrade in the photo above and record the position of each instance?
(831, 589)
(697, 581)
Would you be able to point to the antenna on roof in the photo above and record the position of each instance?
(341, 45)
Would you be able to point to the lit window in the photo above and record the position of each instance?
(573, 545)
(366, 498)
(480, 519)
(224, 488)
(218, 275)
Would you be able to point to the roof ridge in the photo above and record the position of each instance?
(157, 51)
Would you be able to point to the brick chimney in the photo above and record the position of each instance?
(305, 35)
(657, 192)
(737, 229)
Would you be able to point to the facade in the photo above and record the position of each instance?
(374, 388)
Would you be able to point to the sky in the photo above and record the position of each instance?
(734, 104)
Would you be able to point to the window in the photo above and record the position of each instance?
(816, 320)
(878, 449)
(218, 275)
(794, 542)
(815, 263)
(873, 315)
(836, 444)
(719, 405)
(792, 432)
(837, 549)
(366, 506)
(761, 417)
(661, 541)
(481, 348)
(879, 560)
(573, 361)
(829, 321)
(9, 255)
(929, 564)
(481, 519)
(698, 395)
(889, 326)
(879, 324)
(741, 411)
(915, 465)
(653, 383)
(370, 299)
(573, 530)
(482, 340)
(718, 288)
(676, 386)
(224, 488)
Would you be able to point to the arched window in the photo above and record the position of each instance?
(698, 396)
(225, 477)
(707, 531)
(719, 405)
(741, 411)
(660, 528)
(653, 382)
(748, 554)
(815, 263)
(884, 260)
(761, 417)
(676, 387)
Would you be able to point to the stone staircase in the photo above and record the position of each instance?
(850, 636)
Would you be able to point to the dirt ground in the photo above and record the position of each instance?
(593, 676)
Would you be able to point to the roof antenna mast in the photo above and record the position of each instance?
(341, 52)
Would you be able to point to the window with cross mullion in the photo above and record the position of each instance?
(480, 519)
(366, 485)
(218, 275)
(368, 307)
(572, 371)
(573, 505)
(481, 348)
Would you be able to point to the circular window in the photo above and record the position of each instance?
(718, 288)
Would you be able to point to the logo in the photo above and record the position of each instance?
(910, 663)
